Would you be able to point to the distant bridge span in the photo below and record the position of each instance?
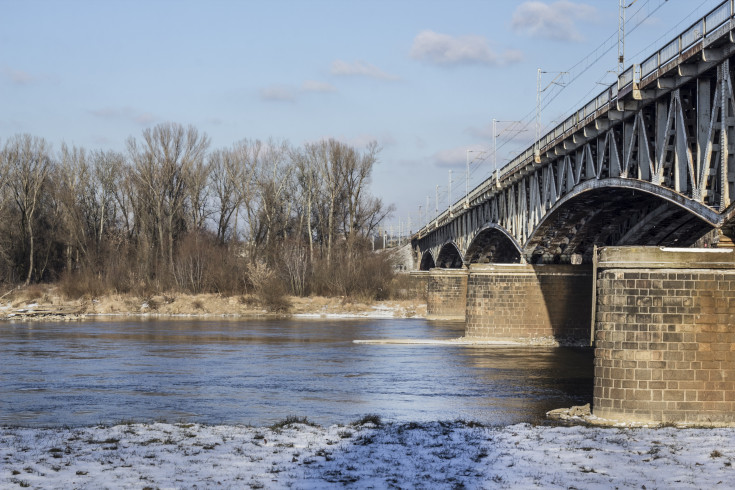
(649, 161)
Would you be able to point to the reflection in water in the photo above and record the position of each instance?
(259, 372)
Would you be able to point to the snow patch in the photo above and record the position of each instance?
(410, 455)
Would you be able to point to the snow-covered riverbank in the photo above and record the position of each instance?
(297, 455)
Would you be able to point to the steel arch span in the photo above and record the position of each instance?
(650, 161)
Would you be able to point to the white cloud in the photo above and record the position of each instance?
(443, 49)
(277, 93)
(552, 21)
(360, 68)
(19, 77)
(138, 117)
(315, 86)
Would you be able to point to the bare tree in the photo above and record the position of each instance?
(331, 155)
(106, 169)
(73, 191)
(27, 160)
(307, 168)
(197, 178)
(226, 177)
(128, 219)
(163, 162)
(357, 170)
(274, 180)
(125, 196)
(248, 154)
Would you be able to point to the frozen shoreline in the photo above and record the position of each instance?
(431, 455)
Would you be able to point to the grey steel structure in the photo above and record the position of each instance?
(649, 161)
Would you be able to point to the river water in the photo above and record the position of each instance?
(261, 371)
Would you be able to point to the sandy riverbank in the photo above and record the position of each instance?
(46, 303)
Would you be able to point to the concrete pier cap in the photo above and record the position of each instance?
(664, 331)
(665, 257)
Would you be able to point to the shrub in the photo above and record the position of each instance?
(369, 419)
(269, 288)
(33, 292)
(81, 284)
(204, 265)
(354, 272)
(292, 420)
(272, 295)
(295, 264)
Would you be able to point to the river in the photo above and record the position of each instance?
(260, 371)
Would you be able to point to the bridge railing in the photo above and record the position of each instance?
(701, 29)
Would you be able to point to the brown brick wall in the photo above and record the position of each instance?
(447, 294)
(417, 285)
(512, 301)
(665, 345)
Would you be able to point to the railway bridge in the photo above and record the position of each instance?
(589, 234)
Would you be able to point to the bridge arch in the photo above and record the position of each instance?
(617, 211)
(427, 261)
(493, 244)
(449, 257)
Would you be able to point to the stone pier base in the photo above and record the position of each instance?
(520, 301)
(447, 294)
(665, 335)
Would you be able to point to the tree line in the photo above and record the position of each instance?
(170, 213)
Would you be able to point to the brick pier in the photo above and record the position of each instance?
(665, 335)
(515, 301)
(447, 294)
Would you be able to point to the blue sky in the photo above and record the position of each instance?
(423, 78)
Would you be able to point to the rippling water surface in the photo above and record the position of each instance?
(260, 371)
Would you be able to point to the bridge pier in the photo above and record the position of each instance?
(665, 335)
(521, 301)
(446, 294)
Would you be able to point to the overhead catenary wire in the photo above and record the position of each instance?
(579, 68)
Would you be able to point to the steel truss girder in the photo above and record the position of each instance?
(680, 144)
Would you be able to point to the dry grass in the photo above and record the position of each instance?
(203, 304)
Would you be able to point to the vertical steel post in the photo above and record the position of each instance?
(467, 180)
(537, 145)
(450, 192)
(495, 151)
(427, 211)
